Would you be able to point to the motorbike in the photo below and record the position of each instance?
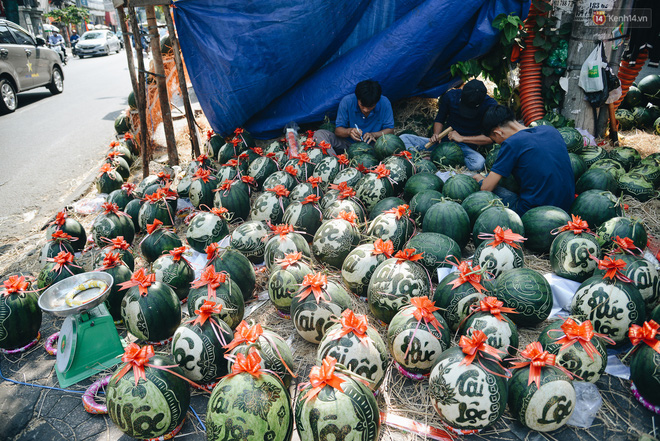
(59, 48)
(73, 48)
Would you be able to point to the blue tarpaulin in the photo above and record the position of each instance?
(263, 63)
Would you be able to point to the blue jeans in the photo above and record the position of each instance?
(473, 160)
(508, 197)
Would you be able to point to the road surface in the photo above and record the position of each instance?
(52, 142)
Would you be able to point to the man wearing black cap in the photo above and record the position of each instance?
(462, 110)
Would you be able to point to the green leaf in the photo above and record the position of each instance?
(540, 21)
(539, 56)
(547, 46)
(547, 71)
(498, 21)
(539, 40)
(510, 33)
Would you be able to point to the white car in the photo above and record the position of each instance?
(98, 42)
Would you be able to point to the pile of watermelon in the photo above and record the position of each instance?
(374, 224)
(641, 106)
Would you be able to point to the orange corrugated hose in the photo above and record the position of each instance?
(531, 99)
(628, 74)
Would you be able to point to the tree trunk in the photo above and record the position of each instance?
(584, 37)
(145, 139)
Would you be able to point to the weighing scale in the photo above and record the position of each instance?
(88, 341)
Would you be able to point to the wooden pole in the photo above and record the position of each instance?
(192, 129)
(161, 81)
(141, 94)
(129, 54)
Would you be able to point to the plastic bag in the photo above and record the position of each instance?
(588, 402)
(90, 205)
(563, 291)
(591, 74)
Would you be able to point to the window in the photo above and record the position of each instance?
(5, 35)
(21, 37)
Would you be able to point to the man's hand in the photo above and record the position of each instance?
(356, 134)
(435, 138)
(478, 177)
(455, 136)
(369, 138)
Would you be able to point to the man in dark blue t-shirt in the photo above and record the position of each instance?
(537, 158)
(462, 110)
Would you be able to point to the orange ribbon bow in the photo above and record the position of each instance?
(577, 226)
(111, 260)
(322, 376)
(128, 187)
(141, 279)
(475, 345)
(105, 168)
(226, 185)
(613, 268)
(250, 364)
(209, 134)
(110, 208)
(245, 334)
(582, 333)
(220, 212)
(536, 359)
(211, 251)
(231, 163)
(501, 235)
(60, 219)
(310, 199)
(249, 180)
(314, 181)
(164, 176)
(315, 283)
(177, 253)
(381, 171)
(211, 279)
(280, 191)
(383, 247)
(258, 150)
(406, 154)
(424, 309)
(291, 170)
(289, 259)
(348, 216)
(647, 333)
(626, 245)
(346, 193)
(362, 169)
(205, 312)
(343, 159)
(62, 259)
(153, 227)
(351, 322)
(118, 243)
(15, 284)
(61, 235)
(309, 143)
(303, 158)
(324, 146)
(408, 255)
(493, 306)
(127, 136)
(238, 131)
(113, 154)
(400, 211)
(202, 174)
(136, 358)
(282, 230)
(235, 141)
(202, 158)
(467, 274)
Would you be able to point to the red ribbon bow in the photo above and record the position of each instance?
(537, 358)
(202, 174)
(577, 226)
(315, 283)
(15, 284)
(245, 334)
(289, 259)
(211, 279)
(163, 176)
(127, 136)
(105, 168)
(258, 150)
(424, 309)
(235, 141)
(351, 322)
(211, 251)
(348, 216)
(238, 131)
(250, 364)
(111, 260)
(114, 143)
(309, 143)
(110, 208)
(202, 158)
(140, 279)
(362, 169)
(314, 181)
(582, 333)
(324, 146)
(406, 154)
(346, 193)
(381, 171)
(249, 180)
(205, 312)
(226, 185)
(113, 154)
(282, 230)
(322, 376)
(118, 243)
(231, 163)
(343, 159)
(209, 134)
(61, 235)
(408, 255)
(475, 345)
(62, 259)
(128, 187)
(153, 227)
(493, 306)
(177, 253)
(291, 170)
(647, 333)
(626, 245)
(220, 212)
(467, 274)
(383, 247)
(400, 211)
(310, 199)
(60, 219)
(280, 191)
(501, 235)
(136, 358)
(613, 268)
(303, 158)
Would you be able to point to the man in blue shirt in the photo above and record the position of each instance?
(364, 116)
(462, 110)
(536, 157)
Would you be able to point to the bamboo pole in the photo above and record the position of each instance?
(190, 117)
(142, 95)
(172, 154)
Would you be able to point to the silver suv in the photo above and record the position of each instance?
(25, 63)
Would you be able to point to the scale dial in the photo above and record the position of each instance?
(66, 344)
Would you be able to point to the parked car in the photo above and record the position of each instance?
(120, 37)
(97, 42)
(25, 63)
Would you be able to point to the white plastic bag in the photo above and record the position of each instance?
(591, 74)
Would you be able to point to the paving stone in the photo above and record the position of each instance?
(40, 430)
(16, 408)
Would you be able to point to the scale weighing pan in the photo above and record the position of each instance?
(88, 341)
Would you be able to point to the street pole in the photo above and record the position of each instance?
(161, 81)
(192, 129)
(129, 54)
(142, 95)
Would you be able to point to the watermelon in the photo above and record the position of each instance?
(71, 227)
(643, 275)
(627, 156)
(596, 179)
(124, 152)
(592, 154)
(224, 291)
(202, 189)
(176, 272)
(152, 210)
(304, 189)
(425, 166)
(53, 247)
(239, 269)
(650, 170)
(573, 139)
(159, 241)
(284, 282)
(384, 205)
(349, 205)
(122, 124)
(643, 365)
(502, 333)
(110, 224)
(250, 239)
(526, 291)
(359, 148)
(109, 180)
(448, 218)
(260, 169)
(326, 169)
(460, 186)
(120, 165)
(284, 242)
(235, 199)
(358, 267)
(270, 205)
(622, 227)
(476, 203)
(133, 211)
(20, 314)
(650, 86)
(491, 157)
(596, 207)
(421, 202)
(154, 316)
(374, 187)
(448, 154)
(625, 118)
(493, 217)
(643, 118)
(612, 306)
(419, 182)
(614, 167)
(365, 160)
(304, 217)
(435, 249)
(205, 229)
(350, 175)
(120, 197)
(570, 255)
(394, 225)
(497, 259)
(633, 98)
(53, 272)
(120, 273)
(401, 170)
(281, 177)
(455, 302)
(334, 239)
(636, 185)
(388, 145)
(578, 165)
(539, 222)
